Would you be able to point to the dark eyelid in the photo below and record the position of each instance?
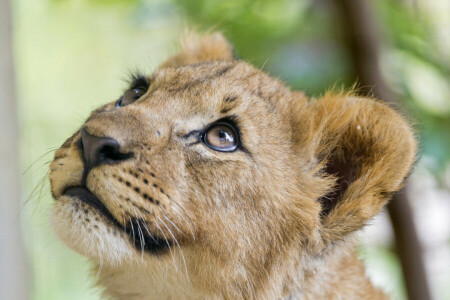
(138, 81)
(231, 120)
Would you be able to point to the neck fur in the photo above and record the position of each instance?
(336, 275)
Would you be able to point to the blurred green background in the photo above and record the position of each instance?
(73, 55)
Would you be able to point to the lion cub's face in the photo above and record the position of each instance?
(211, 169)
(193, 161)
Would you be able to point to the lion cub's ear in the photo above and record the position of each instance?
(366, 150)
(196, 48)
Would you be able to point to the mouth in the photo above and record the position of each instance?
(141, 238)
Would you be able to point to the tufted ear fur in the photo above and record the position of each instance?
(196, 49)
(364, 151)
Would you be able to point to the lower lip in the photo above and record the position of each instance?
(86, 196)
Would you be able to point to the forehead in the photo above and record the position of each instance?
(188, 76)
(205, 85)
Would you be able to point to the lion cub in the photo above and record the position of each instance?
(208, 179)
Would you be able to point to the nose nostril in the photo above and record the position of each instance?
(112, 154)
(100, 150)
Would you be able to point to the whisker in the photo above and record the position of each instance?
(132, 229)
(141, 238)
(173, 224)
(137, 210)
(192, 223)
(176, 241)
(46, 163)
(144, 223)
(264, 64)
(143, 220)
(148, 231)
(42, 185)
(242, 92)
(168, 244)
(124, 223)
(39, 186)
(184, 219)
(39, 158)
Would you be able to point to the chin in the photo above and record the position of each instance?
(89, 233)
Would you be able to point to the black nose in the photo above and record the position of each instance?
(100, 150)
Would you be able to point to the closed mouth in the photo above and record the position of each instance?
(142, 239)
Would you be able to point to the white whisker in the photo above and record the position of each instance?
(148, 231)
(176, 241)
(168, 244)
(184, 219)
(141, 238)
(173, 224)
(132, 230)
(141, 235)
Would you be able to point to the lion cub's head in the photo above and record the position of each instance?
(211, 175)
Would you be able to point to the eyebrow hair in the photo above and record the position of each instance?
(230, 98)
(226, 109)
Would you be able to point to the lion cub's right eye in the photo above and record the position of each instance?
(130, 96)
(221, 137)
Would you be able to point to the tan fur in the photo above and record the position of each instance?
(243, 225)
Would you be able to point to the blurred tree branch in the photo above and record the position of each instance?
(363, 44)
(13, 271)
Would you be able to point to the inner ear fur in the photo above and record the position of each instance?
(197, 48)
(363, 150)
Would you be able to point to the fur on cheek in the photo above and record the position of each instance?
(85, 231)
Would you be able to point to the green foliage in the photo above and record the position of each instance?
(421, 75)
(411, 31)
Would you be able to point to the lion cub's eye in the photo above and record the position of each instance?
(130, 96)
(221, 137)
